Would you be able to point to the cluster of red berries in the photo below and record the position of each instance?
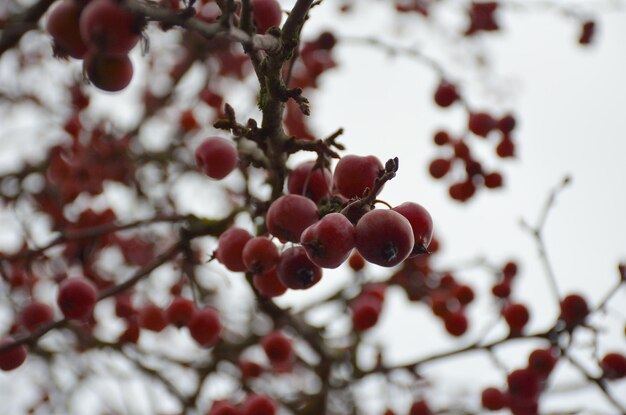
(252, 405)
(385, 237)
(102, 33)
(480, 124)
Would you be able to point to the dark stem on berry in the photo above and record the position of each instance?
(306, 277)
(390, 251)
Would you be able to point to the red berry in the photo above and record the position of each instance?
(421, 224)
(365, 312)
(461, 150)
(230, 247)
(502, 289)
(439, 167)
(441, 138)
(216, 157)
(506, 147)
(464, 294)
(249, 369)
(354, 174)
(542, 361)
(574, 310)
(356, 261)
(188, 121)
(506, 124)
(108, 28)
(259, 405)
(108, 73)
(493, 399)
(314, 183)
(481, 123)
(223, 408)
(77, 298)
(13, 357)
(613, 365)
(130, 334)
(462, 191)
(524, 387)
(36, 315)
(260, 255)
(420, 408)
(456, 323)
(267, 13)
(587, 32)
(152, 317)
(205, 327)
(268, 284)
(329, 241)
(180, 311)
(124, 306)
(493, 180)
(278, 349)
(509, 270)
(384, 237)
(289, 215)
(296, 271)
(446, 94)
(516, 316)
(63, 26)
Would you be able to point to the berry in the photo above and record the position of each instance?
(502, 289)
(524, 387)
(13, 357)
(278, 349)
(441, 138)
(289, 215)
(205, 327)
(419, 408)
(76, 298)
(588, 29)
(464, 294)
(329, 241)
(296, 271)
(152, 317)
(124, 306)
(365, 312)
(493, 399)
(268, 284)
(354, 174)
(180, 311)
(516, 316)
(63, 26)
(493, 180)
(509, 270)
(108, 28)
(506, 124)
(506, 147)
(36, 315)
(130, 334)
(260, 255)
(314, 183)
(456, 323)
(230, 247)
(356, 261)
(384, 237)
(439, 167)
(481, 123)
(216, 157)
(223, 408)
(461, 150)
(542, 361)
(462, 191)
(421, 224)
(613, 366)
(259, 405)
(266, 13)
(574, 310)
(108, 73)
(249, 369)
(446, 94)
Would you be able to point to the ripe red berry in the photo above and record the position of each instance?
(446, 94)
(108, 73)
(516, 316)
(289, 215)
(506, 124)
(574, 310)
(278, 349)
(354, 174)
(506, 147)
(180, 311)
(356, 261)
(384, 237)
(216, 157)
(613, 366)
(463, 293)
(329, 241)
(76, 298)
(223, 408)
(456, 323)
(131, 333)
(63, 26)
(259, 405)
(35, 315)
(502, 289)
(509, 270)
(542, 361)
(420, 408)
(481, 123)
(152, 317)
(524, 388)
(365, 312)
(461, 150)
(188, 121)
(124, 306)
(441, 138)
(314, 183)
(230, 247)
(267, 13)
(439, 167)
(249, 369)
(296, 271)
(587, 31)
(108, 28)
(260, 255)
(493, 180)
(462, 191)
(205, 327)
(493, 399)
(421, 224)
(13, 357)
(268, 283)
